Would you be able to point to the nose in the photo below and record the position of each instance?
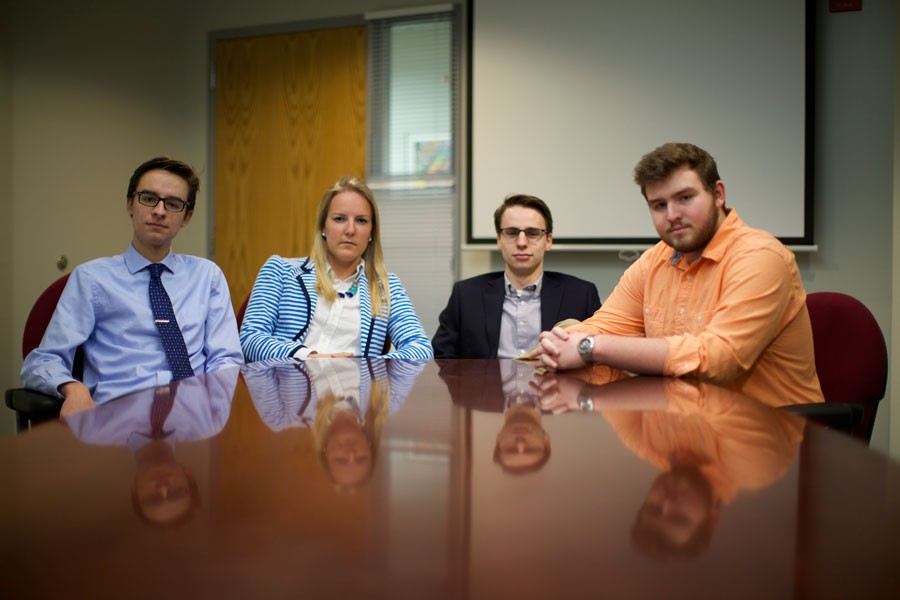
(673, 212)
(160, 209)
(521, 240)
(162, 488)
(520, 446)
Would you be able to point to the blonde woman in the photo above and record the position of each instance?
(341, 301)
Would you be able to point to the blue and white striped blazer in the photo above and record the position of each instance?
(283, 302)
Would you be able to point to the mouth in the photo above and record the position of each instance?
(156, 226)
(678, 229)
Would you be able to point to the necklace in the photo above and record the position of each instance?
(350, 292)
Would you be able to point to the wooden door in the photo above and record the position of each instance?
(290, 119)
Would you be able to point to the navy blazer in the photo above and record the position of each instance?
(469, 327)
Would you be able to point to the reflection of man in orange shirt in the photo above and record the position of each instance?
(715, 299)
(711, 444)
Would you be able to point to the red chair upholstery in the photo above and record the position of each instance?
(242, 310)
(32, 407)
(851, 355)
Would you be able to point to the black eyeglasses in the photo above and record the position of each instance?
(532, 233)
(170, 203)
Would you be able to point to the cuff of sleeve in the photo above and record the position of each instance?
(301, 353)
(58, 388)
(683, 357)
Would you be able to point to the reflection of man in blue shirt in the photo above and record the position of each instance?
(150, 423)
(105, 308)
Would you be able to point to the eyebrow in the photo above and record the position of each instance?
(681, 192)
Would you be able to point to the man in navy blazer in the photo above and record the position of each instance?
(501, 314)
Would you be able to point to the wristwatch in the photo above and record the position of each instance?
(585, 403)
(586, 348)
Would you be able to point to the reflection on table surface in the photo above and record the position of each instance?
(453, 478)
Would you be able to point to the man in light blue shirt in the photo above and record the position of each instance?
(105, 308)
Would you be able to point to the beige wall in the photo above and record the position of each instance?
(100, 87)
(8, 367)
(895, 312)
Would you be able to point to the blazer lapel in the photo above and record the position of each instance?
(493, 311)
(551, 299)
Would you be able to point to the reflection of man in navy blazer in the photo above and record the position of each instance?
(500, 315)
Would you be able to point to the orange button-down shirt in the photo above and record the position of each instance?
(736, 442)
(736, 316)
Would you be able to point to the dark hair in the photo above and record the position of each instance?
(656, 545)
(532, 202)
(176, 167)
(659, 165)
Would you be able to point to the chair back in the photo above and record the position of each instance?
(39, 319)
(850, 353)
(242, 310)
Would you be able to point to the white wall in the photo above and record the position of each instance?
(98, 88)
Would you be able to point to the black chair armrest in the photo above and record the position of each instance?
(32, 406)
(841, 416)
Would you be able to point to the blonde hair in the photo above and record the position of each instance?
(372, 422)
(376, 272)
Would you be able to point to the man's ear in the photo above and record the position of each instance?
(720, 194)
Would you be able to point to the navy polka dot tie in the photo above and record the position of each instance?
(172, 340)
(163, 401)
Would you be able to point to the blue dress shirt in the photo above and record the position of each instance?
(200, 410)
(105, 309)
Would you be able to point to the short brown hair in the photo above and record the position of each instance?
(532, 202)
(659, 165)
(176, 167)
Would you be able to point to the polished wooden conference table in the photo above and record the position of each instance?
(346, 478)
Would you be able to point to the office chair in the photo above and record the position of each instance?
(33, 407)
(242, 310)
(852, 363)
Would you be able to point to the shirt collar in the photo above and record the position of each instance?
(135, 261)
(360, 269)
(512, 291)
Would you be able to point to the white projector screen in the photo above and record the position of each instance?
(567, 96)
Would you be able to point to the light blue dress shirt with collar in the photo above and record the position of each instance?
(105, 309)
(520, 321)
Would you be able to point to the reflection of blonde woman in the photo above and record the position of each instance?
(347, 436)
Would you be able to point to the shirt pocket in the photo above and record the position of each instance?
(662, 321)
(654, 321)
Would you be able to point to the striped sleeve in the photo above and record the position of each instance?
(269, 302)
(407, 335)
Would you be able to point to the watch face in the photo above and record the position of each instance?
(585, 347)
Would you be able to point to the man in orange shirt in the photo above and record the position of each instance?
(715, 299)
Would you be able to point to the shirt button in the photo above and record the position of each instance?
(681, 311)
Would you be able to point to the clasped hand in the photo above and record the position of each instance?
(557, 349)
